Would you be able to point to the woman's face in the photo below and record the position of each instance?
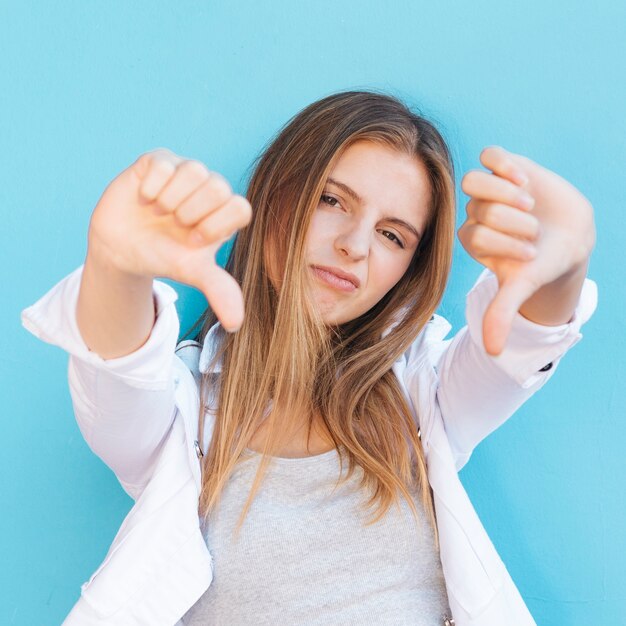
(368, 223)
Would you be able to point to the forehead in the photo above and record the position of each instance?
(393, 182)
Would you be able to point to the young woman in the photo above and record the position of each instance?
(298, 464)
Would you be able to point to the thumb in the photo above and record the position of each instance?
(501, 312)
(224, 296)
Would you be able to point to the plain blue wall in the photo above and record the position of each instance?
(87, 87)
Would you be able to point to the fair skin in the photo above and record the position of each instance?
(373, 210)
(520, 203)
(532, 228)
(374, 207)
(147, 220)
(368, 222)
(147, 223)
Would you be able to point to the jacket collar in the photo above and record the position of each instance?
(438, 326)
(208, 352)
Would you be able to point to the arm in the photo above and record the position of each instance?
(115, 311)
(535, 233)
(121, 363)
(554, 303)
(124, 406)
(477, 392)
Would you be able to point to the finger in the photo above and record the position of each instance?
(501, 312)
(504, 219)
(162, 164)
(482, 241)
(485, 186)
(504, 164)
(213, 193)
(224, 296)
(222, 223)
(189, 175)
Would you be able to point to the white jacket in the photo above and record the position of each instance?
(139, 414)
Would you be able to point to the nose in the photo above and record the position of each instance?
(354, 241)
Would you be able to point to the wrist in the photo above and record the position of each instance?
(105, 260)
(103, 268)
(576, 274)
(554, 303)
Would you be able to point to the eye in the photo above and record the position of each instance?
(392, 237)
(330, 200)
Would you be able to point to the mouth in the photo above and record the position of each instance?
(336, 278)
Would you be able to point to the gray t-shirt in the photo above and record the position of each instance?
(304, 556)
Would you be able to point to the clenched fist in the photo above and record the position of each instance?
(533, 229)
(166, 216)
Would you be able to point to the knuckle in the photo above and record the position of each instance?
(490, 150)
(508, 165)
(485, 156)
(219, 232)
(184, 218)
(243, 207)
(163, 167)
(207, 229)
(196, 169)
(473, 209)
(158, 152)
(212, 229)
(461, 234)
(468, 180)
(491, 215)
(477, 237)
(219, 186)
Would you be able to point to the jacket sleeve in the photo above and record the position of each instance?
(476, 391)
(125, 406)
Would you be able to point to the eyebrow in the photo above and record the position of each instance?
(355, 196)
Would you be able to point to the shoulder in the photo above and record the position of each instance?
(188, 352)
(429, 345)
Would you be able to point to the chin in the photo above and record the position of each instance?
(331, 317)
(330, 308)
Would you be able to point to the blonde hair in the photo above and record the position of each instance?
(283, 355)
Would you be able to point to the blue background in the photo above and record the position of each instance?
(88, 86)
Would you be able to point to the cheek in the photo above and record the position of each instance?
(321, 230)
(385, 273)
(313, 233)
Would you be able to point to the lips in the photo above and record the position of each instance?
(345, 281)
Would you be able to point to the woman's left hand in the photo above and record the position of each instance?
(529, 226)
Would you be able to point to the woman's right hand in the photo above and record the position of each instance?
(149, 218)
